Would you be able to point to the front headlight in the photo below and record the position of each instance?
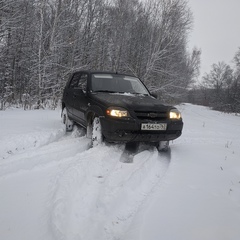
(117, 112)
(175, 114)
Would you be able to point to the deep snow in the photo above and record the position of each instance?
(53, 186)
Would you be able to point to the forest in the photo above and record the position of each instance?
(220, 88)
(43, 41)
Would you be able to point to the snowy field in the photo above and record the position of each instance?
(53, 186)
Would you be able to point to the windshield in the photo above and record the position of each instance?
(117, 83)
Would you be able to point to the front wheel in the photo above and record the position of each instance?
(163, 146)
(94, 131)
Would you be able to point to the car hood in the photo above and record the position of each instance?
(130, 101)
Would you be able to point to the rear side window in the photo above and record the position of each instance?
(79, 81)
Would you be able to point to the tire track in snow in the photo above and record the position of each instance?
(24, 142)
(97, 195)
(62, 149)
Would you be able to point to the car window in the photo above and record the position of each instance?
(137, 88)
(74, 80)
(82, 84)
(79, 81)
(117, 83)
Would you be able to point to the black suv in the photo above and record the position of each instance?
(118, 108)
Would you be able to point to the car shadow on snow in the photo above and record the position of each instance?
(132, 149)
(166, 155)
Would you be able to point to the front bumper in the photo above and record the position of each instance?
(121, 130)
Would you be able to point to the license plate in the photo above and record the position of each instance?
(154, 126)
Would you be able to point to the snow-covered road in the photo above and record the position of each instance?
(53, 186)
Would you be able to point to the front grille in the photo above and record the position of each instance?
(159, 116)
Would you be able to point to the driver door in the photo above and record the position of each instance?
(80, 102)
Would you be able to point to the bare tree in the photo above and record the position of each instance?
(220, 80)
(42, 41)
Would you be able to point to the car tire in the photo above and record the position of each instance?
(94, 131)
(66, 121)
(163, 146)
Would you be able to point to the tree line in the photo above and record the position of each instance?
(220, 88)
(43, 41)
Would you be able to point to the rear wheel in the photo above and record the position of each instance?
(66, 121)
(163, 146)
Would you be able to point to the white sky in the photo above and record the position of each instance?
(216, 30)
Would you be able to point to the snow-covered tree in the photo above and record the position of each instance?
(42, 41)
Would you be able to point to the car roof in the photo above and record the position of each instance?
(103, 72)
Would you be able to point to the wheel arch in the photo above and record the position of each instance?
(90, 117)
(92, 112)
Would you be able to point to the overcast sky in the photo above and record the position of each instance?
(216, 30)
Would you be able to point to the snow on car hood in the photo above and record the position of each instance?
(130, 101)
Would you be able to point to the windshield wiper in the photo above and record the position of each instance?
(107, 91)
(127, 92)
(144, 94)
